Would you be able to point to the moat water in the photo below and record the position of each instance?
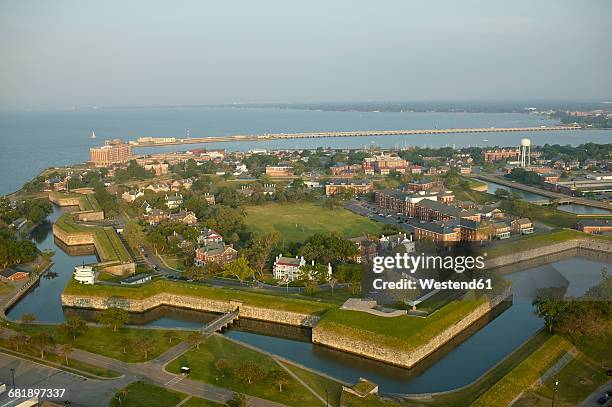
(458, 364)
(35, 140)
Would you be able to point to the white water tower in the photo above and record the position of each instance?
(525, 152)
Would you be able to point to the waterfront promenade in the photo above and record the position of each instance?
(156, 142)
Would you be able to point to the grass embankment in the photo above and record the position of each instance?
(198, 402)
(401, 333)
(577, 379)
(140, 394)
(111, 247)
(203, 364)
(104, 341)
(298, 221)
(474, 196)
(540, 240)
(523, 376)
(277, 302)
(320, 384)
(87, 202)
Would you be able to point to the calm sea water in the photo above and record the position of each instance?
(33, 141)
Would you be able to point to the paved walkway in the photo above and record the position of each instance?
(152, 371)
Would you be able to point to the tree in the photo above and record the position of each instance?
(549, 305)
(239, 268)
(28, 318)
(279, 378)
(125, 343)
(222, 365)
(239, 400)
(146, 345)
(73, 327)
(249, 372)
(260, 249)
(170, 336)
(65, 350)
(40, 342)
(196, 339)
(332, 282)
(17, 339)
(114, 318)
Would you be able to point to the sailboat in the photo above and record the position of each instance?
(93, 134)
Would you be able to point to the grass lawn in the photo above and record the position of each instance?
(5, 287)
(104, 341)
(539, 240)
(524, 374)
(319, 384)
(297, 221)
(403, 332)
(111, 247)
(140, 394)
(350, 400)
(197, 290)
(198, 402)
(202, 363)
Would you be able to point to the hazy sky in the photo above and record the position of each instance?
(56, 54)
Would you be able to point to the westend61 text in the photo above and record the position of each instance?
(431, 284)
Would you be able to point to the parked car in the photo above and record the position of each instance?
(603, 399)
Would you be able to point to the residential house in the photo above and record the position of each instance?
(287, 268)
(367, 249)
(132, 195)
(523, 226)
(215, 252)
(186, 217)
(356, 187)
(209, 236)
(159, 187)
(209, 198)
(155, 216)
(501, 230)
(174, 201)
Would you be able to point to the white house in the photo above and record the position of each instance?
(287, 268)
(174, 201)
(84, 274)
(131, 196)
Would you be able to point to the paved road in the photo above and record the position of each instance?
(591, 401)
(80, 391)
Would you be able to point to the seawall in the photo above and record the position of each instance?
(598, 245)
(194, 303)
(405, 358)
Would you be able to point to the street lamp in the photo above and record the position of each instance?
(555, 391)
(326, 398)
(13, 376)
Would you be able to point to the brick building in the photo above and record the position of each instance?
(112, 152)
(356, 187)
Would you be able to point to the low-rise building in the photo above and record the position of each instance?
(186, 217)
(131, 196)
(139, 278)
(595, 226)
(209, 198)
(84, 274)
(356, 187)
(159, 187)
(174, 201)
(156, 216)
(367, 249)
(523, 226)
(501, 230)
(287, 268)
(279, 171)
(215, 252)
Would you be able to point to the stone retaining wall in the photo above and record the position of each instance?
(194, 303)
(367, 348)
(599, 245)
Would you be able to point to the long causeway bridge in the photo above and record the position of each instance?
(153, 142)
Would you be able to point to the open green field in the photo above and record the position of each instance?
(539, 240)
(318, 383)
(203, 368)
(140, 394)
(255, 299)
(104, 341)
(525, 374)
(297, 221)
